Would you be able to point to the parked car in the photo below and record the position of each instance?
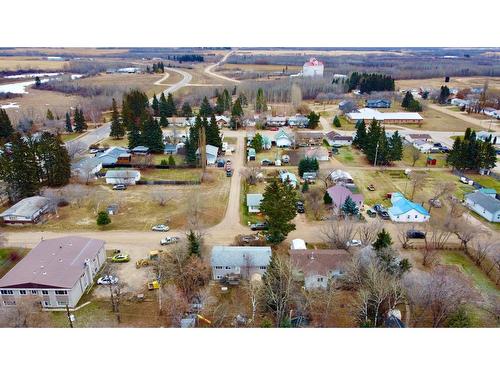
(285, 159)
(353, 243)
(169, 240)
(467, 181)
(249, 239)
(274, 129)
(107, 279)
(120, 258)
(220, 163)
(371, 187)
(161, 228)
(266, 162)
(229, 173)
(413, 233)
(259, 226)
(371, 213)
(445, 150)
(379, 208)
(438, 145)
(384, 215)
(119, 187)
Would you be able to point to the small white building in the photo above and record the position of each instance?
(298, 244)
(253, 202)
(405, 211)
(122, 176)
(56, 271)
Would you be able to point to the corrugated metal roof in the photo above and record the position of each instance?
(26, 207)
(487, 202)
(240, 256)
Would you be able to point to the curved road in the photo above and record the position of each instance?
(208, 69)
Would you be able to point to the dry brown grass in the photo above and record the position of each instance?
(284, 52)
(11, 63)
(70, 51)
(259, 68)
(455, 82)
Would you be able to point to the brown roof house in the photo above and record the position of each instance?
(317, 268)
(308, 138)
(57, 271)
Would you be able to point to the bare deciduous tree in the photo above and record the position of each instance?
(465, 231)
(27, 312)
(337, 233)
(403, 238)
(162, 196)
(418, 180)
(367, 231)
(175, 306)
(440, 190)
(415, 154)
(483, 247)
(321, 303)
(250, 174)
(314, 201)
(253, 289)
(75, 148)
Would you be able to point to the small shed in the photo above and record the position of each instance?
(298, 244)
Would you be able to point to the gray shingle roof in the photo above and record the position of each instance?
(240, 256)
(487, 202)
(122, 173)
(254, 199)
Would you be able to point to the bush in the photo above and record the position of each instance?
(171, 160)
(163, 162)
(103, 218)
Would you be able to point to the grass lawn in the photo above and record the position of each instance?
(191, 174)
(231, 140)
(488, 182)
(111, 142)
(351, 156)
(157, 158)
(69, 136)
(479, 278)
(421, 162)
(272, 154)
(246, 216)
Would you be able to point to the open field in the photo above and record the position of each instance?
(259, 68)
(351, 156)
(422, 161)
(296, 52)
(75, 51)
(171, 174)
(13, 63)
(137, 208)
(487, 181)
(455, 82)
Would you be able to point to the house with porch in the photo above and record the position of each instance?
(283, 139)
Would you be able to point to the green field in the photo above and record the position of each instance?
(488, 182)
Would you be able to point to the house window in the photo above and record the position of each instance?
(46, 303)
(22, 292)
(218, 277)
(228, 267)
(218, 267)
(262, 267)
(416, 216)
(62, 303)
(61, 292)
(45, 292)
(34, 292)
(320, 279)
(7, 292)
(9, 303)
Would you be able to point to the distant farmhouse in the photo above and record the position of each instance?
(57, 271)
(313, 68)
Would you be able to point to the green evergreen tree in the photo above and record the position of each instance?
(336, 122)
(360, 138)
(308, 165)
(279, 207)
(69, 127)
(186, 110)
(171, 161)
(243, 99)
(327, 199)
(53, 160)
(38, 83)
(219, 105)
(6, 129)
(257, 143)
(212, 132)
(171, 106)
(50, 115)
(205, 108)
(134, 137)
(349, 207)
(163, 122)
(163, 108)
(193, 244)
(227, 100)
(383, 240)
(155, 105)
(305, 187)
(414, 106)
(79, 121)
(103, 219)
(313, 120)
(459, 319)
(396, 147)
(117, 130)
(152, 136)
(407, 99)
(237, 110)
(444, 94)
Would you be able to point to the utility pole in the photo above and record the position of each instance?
(376, 154)
(70, 317)
(203, 149)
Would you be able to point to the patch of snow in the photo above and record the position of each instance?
(10, 105)
(32, 75)
(19, 87)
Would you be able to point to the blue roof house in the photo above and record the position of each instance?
(405, 211)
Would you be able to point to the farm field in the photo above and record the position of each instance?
(13, 63)
(455, 82)
(259, 68)
(296, 52)
(76, 51)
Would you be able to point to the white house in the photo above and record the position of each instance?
(313, 68)
(56, 271)
(122, 176)
(26, 211)
(406, 211)
(211, 152)
(244, 261)
(368, 114)
(253, 202)
(485, 205)
(422, 146)
(283, 139)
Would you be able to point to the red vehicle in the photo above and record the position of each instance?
(274, 129)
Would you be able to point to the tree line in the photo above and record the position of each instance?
(33, 162)
(374, 143)
(471, 153)
(368, 82)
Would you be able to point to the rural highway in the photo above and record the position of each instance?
(208, 69)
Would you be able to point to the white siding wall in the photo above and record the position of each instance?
(412, 216)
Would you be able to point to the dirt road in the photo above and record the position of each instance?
(208, 69)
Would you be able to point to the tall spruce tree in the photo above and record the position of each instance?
(349, 208)
(117, 130)
(219, 105)
(407, 99)
(49, 115)
(171, 106)
(53, 160)
(69, 127)
(163, 109)
(152, 136)
(395, 147)
(260, 101)
(237, 110)
(134, 137)
(360, 138)
(205, 108)
(6, 129)
(212, 133)
(186, 110)
(155, 105)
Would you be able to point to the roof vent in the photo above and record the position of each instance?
(42, 266)
(44, 273)
(59, 260)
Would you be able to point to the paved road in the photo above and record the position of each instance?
(208, 69)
